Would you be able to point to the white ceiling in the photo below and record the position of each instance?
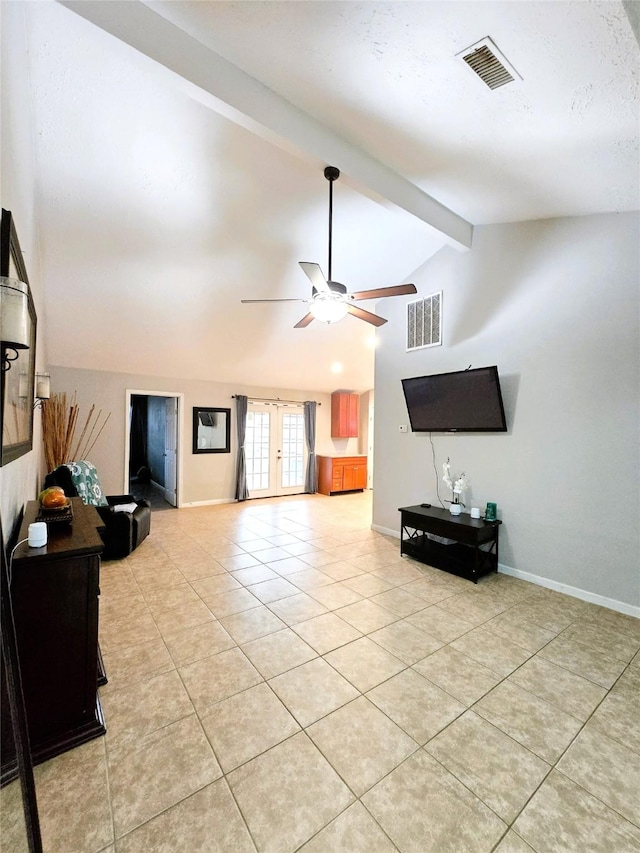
(162, 203)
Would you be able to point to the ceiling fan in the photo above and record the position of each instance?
(329, 300)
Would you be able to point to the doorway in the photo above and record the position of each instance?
(275, 449)
(153, 447)
(370, 447)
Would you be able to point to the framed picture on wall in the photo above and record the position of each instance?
(211, 430)
(17, 388)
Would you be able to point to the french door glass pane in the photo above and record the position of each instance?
(292, 450)
(256, 448)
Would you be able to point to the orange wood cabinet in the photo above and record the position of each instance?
(345, 410)
(341, 474)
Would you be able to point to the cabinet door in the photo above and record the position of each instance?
(56, 612)
(344, 414)
(353, 415)
(350, 477)
(337, 415)
(361, 476)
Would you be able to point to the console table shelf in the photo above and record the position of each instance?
(465, 556)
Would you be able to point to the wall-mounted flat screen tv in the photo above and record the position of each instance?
(463, 401)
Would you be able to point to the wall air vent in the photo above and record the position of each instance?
(424, 322)
(491, 66)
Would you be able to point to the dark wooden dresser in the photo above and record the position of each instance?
(54, 593)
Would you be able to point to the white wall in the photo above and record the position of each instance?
(19, 479)
(204, 477)
(554, 304)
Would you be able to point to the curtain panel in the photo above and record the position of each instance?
(311, 479)
(242, 493)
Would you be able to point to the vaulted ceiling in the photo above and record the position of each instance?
(180, 149)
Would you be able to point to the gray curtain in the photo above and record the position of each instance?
(242, 493)
(311, 480)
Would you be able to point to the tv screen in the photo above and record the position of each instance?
(464, 401)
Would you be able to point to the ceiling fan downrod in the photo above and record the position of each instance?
(332, 174)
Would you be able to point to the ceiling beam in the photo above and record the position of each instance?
(246, 101)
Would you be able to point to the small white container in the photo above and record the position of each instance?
(37, 534)
(475, 512)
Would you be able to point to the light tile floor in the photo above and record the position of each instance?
(281, 680)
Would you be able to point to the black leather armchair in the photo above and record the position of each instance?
(123, 531)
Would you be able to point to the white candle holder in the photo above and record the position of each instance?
(14, 318)
(43, 388)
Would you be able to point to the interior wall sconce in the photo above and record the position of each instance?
(15, 322)
(43, 389)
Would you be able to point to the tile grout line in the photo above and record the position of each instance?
(409, 666)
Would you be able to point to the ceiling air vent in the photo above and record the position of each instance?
(491, 66)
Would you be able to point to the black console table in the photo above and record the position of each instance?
(54, 593)
(464, 557)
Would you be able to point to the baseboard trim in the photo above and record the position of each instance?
(207, 503)
(386, 530)
(573, 591)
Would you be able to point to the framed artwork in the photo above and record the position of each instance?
(17, 383)
(211, 430)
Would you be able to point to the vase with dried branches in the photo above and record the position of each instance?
(59, 425)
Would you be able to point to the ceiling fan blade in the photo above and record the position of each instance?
(396, 290)
(304, 322)
(314, 273)
(367, 316)
(273, 300)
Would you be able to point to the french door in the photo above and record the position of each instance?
(275, 449)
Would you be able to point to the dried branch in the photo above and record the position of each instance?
(59, 423)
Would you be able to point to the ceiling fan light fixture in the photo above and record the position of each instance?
(330, 301)
(328, 308)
